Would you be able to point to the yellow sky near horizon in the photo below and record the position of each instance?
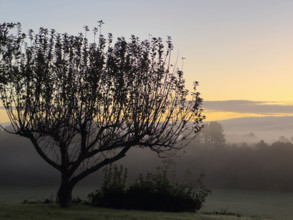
(210, 115)
(257, 68)
(219, 116)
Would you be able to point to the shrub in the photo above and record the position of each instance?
(152, 191)
(113, 189)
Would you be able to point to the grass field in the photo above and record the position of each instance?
(80, 212)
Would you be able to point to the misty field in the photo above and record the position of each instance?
(274, 205)
(50, 212)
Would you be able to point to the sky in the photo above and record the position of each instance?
(240, 51)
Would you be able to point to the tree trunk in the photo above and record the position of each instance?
(64, 194)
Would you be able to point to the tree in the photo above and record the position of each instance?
(283, 139)
(84, 105)
(213, 135)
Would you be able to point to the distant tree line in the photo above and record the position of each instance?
(259, 166)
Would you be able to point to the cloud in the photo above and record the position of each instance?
(251, 107)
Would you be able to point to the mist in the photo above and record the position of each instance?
(254, 129)
(256, 165)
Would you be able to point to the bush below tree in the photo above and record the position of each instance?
(152, 191)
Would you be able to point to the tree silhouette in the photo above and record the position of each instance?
(213, 135)
(84, 105)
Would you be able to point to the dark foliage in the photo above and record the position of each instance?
(148, 192)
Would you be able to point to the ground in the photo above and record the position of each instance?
(81, 212)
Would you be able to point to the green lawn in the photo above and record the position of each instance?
(80, 212)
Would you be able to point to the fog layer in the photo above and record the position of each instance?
(258, 166)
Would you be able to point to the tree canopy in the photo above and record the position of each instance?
(84, 105)
(212, 135)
